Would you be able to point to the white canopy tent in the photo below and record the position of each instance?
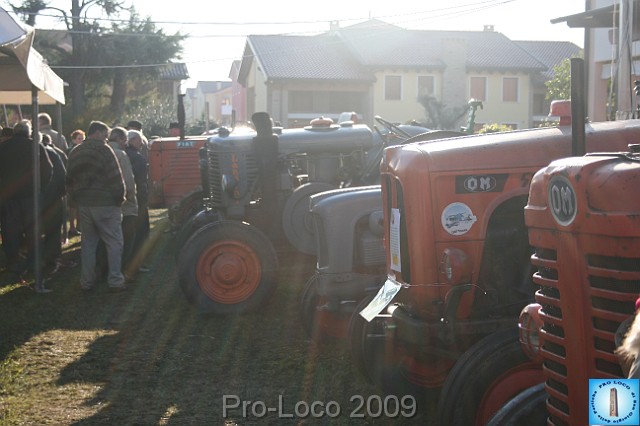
(26, 79)
(22, 68)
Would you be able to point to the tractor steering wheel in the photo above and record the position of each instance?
(393, 129)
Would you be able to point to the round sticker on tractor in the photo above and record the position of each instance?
(562, 200)
(457, 219)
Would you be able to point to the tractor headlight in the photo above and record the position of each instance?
(455, 266)
(529, 325)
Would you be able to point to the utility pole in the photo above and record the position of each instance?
(625, 39)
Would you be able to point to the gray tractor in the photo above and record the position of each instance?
(350, 253)
(256, 189)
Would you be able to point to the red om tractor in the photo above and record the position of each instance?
(583, 217)
(458, 267)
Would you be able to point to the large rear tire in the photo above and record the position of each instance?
(486, 377)
(180, 212)
(528, 408)
(296, 222)
(193, 224)
(227, 268)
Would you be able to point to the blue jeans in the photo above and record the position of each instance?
(101, 223)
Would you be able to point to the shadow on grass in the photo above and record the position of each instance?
(145, 357)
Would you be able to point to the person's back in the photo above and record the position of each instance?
(16, 165)
(53, 209)
(93, 175)
(95, 185)
(17, 195)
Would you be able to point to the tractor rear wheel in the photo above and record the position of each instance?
(296, 222)
(193, 224)
(227, 267)
(189, 205)
(489, 374)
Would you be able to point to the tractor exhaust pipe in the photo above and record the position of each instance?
(578, 121)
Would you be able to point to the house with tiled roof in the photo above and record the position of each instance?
(376, 68)
(170, 77)
(210, 101)
(551, 54)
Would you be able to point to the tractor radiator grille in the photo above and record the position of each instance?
(215, 177)
(594, 304)
(239, 167)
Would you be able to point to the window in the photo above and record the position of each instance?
(426, 85)
(510, 89)
(300, 101)
(539, 104)
(392, 88)
(478, 88)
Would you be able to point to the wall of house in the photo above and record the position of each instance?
(238, 94)
(496, 110)
(260, 89)
(407, 108)
(295, 104)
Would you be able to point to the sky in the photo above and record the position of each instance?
(217, 30)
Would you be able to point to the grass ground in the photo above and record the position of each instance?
(145, 357)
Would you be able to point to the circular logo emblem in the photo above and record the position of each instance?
(457, 218)
(562, 200)
(613, 402)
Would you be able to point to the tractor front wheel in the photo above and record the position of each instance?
(374, 355)
(227, 267)
(322, 318)
(489, 374)
(528, 408)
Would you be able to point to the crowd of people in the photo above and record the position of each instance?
(93, 188)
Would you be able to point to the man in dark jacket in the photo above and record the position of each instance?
(17, 195)
(95, 186)
(140, 172)
(53, 205)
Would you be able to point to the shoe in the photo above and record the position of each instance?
(129, 279)
(117, 288)
(66, 263)
(49, 270)
(84, 287)
(144, 269)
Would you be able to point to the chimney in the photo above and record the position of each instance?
(454, 77)
(489, 28)
(334, 26)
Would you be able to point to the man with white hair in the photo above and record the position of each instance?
(140, 168)
(44, 125)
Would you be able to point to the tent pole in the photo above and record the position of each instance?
(65, 212)
(38, 285)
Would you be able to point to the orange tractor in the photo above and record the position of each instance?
(583, 216)
(458, 267)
